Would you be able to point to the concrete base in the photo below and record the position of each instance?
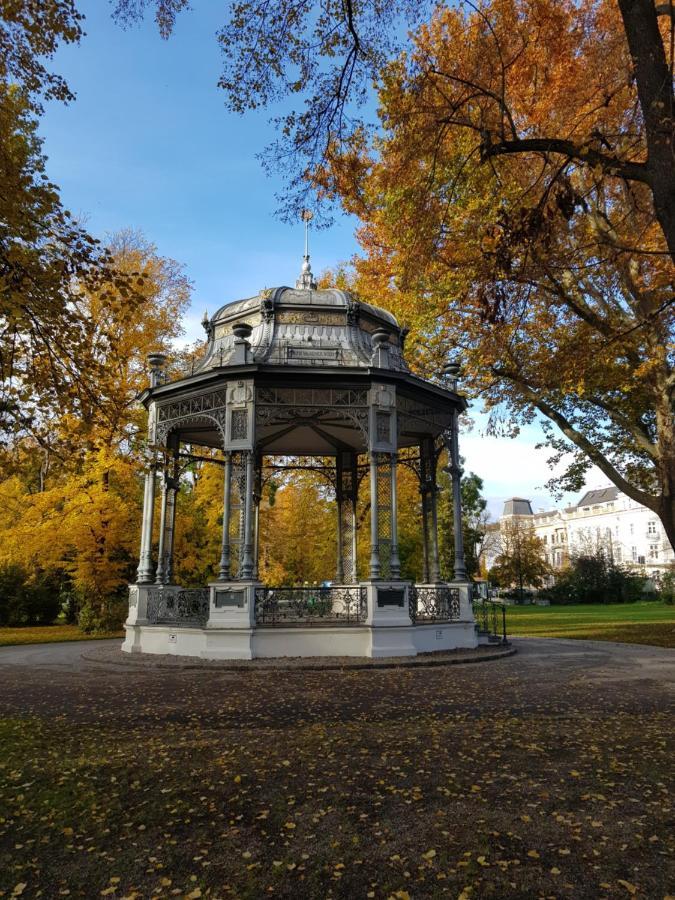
(231, 633)
(299, 641)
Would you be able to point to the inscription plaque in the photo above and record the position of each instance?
(230, 598)
(390, 597)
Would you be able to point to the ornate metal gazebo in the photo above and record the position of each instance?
(302, 372)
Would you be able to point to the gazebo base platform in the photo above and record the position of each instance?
(247, 620)
(300, 641)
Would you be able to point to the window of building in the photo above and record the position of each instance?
(651, 527)
(633, 551)
(618, 554)
(632, 528)
(653, 551)
(545, 539)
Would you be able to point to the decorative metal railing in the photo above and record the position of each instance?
(433, 603)
(334, 605)
(490, 616)
(187, 608)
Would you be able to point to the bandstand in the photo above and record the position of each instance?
(302, 372)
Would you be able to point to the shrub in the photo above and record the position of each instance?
(667, 588)
(595, 578)
(102, 613)
(26, 599)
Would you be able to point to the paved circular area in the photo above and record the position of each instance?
(592, 661)
(114, 656)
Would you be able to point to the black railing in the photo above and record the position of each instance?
(490, 616)
(433, 603)
(187, 608)
(334, 605)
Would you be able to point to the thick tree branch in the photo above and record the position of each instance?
(611, 165)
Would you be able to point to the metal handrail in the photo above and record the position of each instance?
(433, 603)
(490, 616)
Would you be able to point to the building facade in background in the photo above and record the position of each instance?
(603, 518)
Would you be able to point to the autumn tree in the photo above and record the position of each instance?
(70, 494)
(518, 196)
(521, 561)
(48, 261)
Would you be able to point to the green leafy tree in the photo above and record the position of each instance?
(474, 522)
(521, 561)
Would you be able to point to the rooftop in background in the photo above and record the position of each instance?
(517, 506)
(599, 495)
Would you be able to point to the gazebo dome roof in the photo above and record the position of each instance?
(305, 326)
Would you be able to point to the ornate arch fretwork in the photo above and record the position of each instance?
(203, 409)
(415, 418)
(286, 406)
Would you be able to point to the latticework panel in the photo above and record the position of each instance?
(346, 485)
(384, 513)
(237, 510)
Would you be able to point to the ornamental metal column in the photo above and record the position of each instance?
(429, 488)
(374, 523)
(145, 572)
(247, 555)
(456, 474)
(394, 560)
(167, 516)
(224, 565)
(257, 497)
(425, 532)
(339, 503)
(160, 577)
(346, 487)
(452, 371)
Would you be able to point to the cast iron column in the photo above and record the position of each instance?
(224, 566)
(456, 474)
(395, 562)
(424, 490)
(160, 577)
(145, 572)
(339, 501)
(432, 499)
(247, 557)
(170, 527)
(374, 525)
(257, 497)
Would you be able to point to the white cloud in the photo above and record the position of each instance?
(514, 467)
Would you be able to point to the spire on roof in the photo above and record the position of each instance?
(306, 281)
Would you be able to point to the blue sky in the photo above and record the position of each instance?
(148, 144)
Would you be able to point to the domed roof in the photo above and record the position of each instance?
(304, 326)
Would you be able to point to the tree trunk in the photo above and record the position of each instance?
(655, 93)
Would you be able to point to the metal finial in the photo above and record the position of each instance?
(306, 280)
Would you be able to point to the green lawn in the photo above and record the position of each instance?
(634, 623)
(47, 634)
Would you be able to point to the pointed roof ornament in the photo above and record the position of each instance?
(306, 281)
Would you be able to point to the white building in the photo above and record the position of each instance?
(605, 517)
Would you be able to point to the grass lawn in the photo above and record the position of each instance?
(47, 634)
(633, 623)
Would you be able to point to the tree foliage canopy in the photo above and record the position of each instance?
(517, 195)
